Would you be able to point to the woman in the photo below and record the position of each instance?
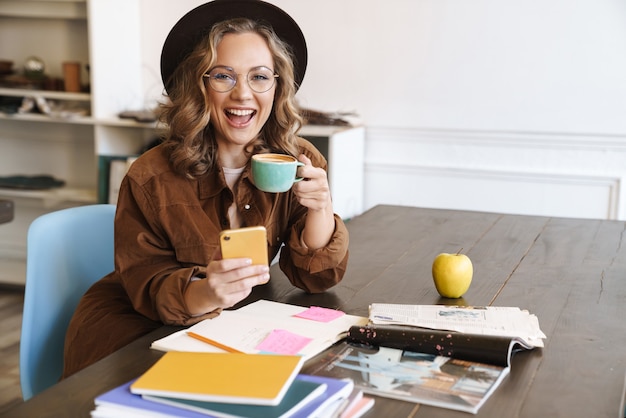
(230, 96)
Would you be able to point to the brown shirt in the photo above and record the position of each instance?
(166, 232)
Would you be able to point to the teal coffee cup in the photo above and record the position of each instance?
(275, 173)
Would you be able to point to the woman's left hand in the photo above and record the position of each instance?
(313, 192)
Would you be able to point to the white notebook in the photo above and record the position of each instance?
(245, 328)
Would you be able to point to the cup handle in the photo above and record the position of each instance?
(298, 164)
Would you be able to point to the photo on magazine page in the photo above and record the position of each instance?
(415, 377)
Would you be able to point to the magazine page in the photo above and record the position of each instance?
(410, 376)
(489, 320)
(488, 349)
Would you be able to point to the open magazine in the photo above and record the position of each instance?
(446, 356)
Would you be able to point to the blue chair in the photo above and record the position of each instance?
(66, 252)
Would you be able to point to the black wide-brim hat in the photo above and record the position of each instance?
(196, 24)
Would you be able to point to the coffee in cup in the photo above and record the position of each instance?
(275, 173)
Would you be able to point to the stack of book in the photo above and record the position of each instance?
(211, 370)
(186, 384)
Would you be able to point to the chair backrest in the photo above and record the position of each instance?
(66, 252)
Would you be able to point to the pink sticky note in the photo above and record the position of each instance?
(280, 341)
(316, 313)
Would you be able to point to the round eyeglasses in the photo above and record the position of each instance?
(223, 79)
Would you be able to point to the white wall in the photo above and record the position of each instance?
(519, 105)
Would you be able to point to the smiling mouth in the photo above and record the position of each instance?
(240, 116)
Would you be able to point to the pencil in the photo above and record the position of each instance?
(213, 343)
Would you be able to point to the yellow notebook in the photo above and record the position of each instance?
(254, 379)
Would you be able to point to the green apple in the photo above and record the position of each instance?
(452, 274)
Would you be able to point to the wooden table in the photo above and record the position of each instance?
(571, 273)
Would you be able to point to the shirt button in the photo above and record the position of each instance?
(247, 207)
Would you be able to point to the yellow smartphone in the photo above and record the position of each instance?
(248, 242)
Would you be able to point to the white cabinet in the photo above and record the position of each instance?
(103, 36)
(344, 149)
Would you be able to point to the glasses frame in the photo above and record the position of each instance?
(207, 76)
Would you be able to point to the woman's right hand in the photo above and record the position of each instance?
(227, 282)
(231, 280)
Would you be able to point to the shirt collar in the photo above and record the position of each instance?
(213, 183)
